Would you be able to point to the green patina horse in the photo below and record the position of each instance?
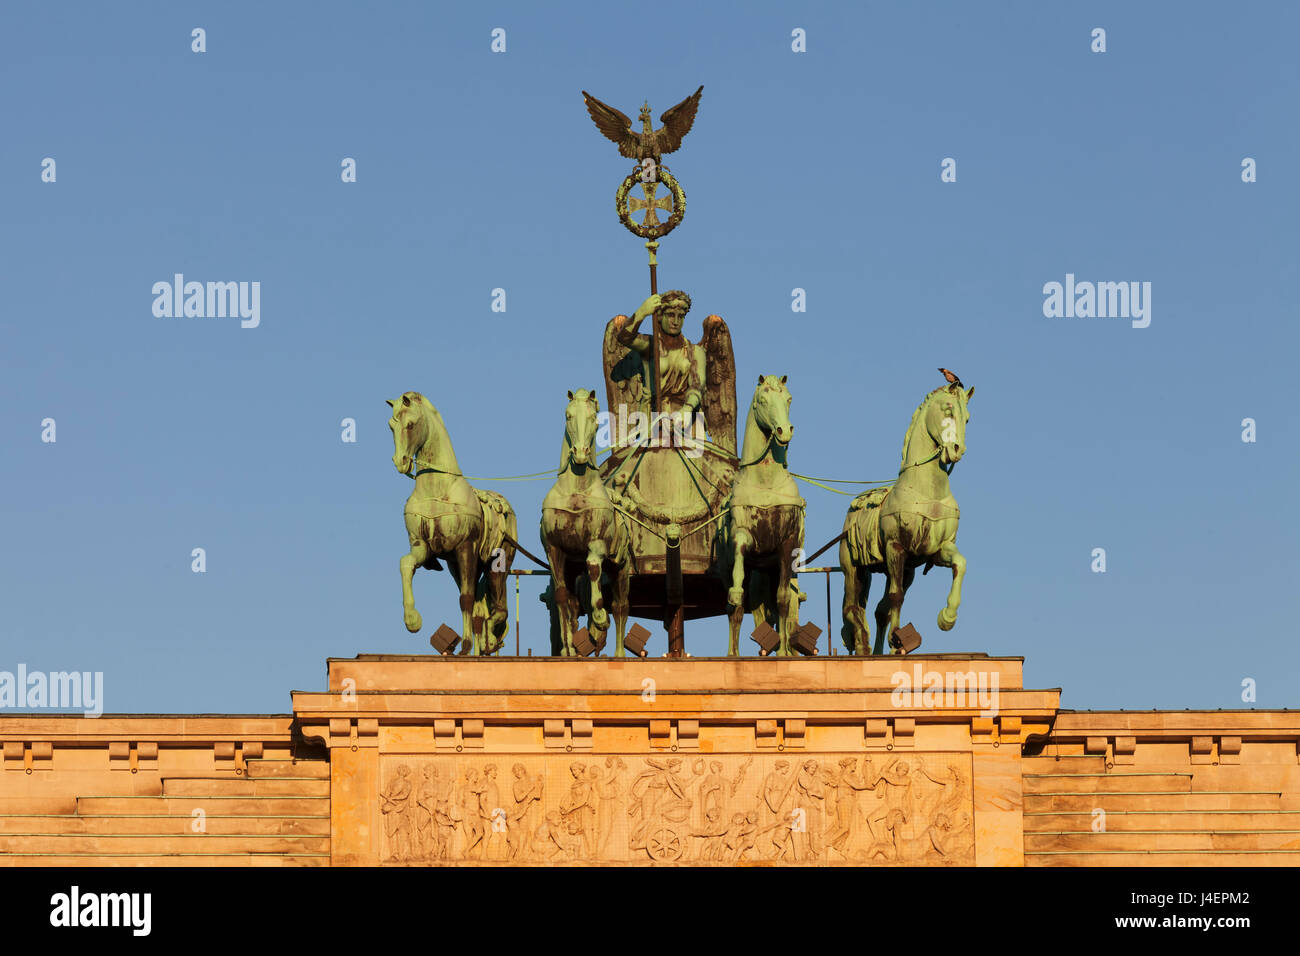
(580, 525)
(895, 530)
(472, 530)
(765, 530)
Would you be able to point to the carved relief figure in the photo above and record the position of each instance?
(578, 810)
(394, 804)
(844, 829)
(471, 817)
(429, 835)
(716, 790)
(776, 811)
(493, 815)
(607, 791)
(811, 799)
(526, 815)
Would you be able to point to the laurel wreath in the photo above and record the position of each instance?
(659, 230)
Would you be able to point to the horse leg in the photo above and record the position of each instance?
(864, 591)
(895, 568)
(418, 555)
(467, 575)
(787, 598)
(742, 541)
(882, 611)
(853, 609)
(949, 556)
(734, 620)
(622, 585)
(563, 607)
(882, 621)
(499, 618)
(599, 616)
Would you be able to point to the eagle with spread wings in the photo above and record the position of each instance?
(650, 143)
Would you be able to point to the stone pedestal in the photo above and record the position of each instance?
(704, 761)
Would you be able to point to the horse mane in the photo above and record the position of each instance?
(445, 449)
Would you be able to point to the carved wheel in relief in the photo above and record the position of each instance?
(664, 845)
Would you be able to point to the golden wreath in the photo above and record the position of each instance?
(659, 230)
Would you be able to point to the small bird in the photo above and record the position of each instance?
(952, 378)
(650, 143)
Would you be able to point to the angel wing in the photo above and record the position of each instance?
(625, 375)
(719, 405)
(617, 126)
(677, 121)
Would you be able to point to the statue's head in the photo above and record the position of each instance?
(518, 770)
(674, 304)
(645, 112)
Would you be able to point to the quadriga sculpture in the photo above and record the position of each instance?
(894, 530)
(472, 530)
(580, 525)
(766, 524)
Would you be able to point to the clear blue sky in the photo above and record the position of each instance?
(478, 170)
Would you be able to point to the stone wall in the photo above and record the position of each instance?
(458, 761)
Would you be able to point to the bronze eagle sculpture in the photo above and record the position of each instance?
(650, 143)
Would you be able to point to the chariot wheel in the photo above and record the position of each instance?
(664, 845)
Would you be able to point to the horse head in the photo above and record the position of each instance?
(943, 415)
(580, 417)
(410, 427)
(771, 409)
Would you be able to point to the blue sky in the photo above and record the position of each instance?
(816, 170)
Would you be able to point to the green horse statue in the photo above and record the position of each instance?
(765, 530)
(582, 531)
(472, 530)
(895, 530)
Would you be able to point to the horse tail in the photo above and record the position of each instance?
(862, 527)
(498, 522)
